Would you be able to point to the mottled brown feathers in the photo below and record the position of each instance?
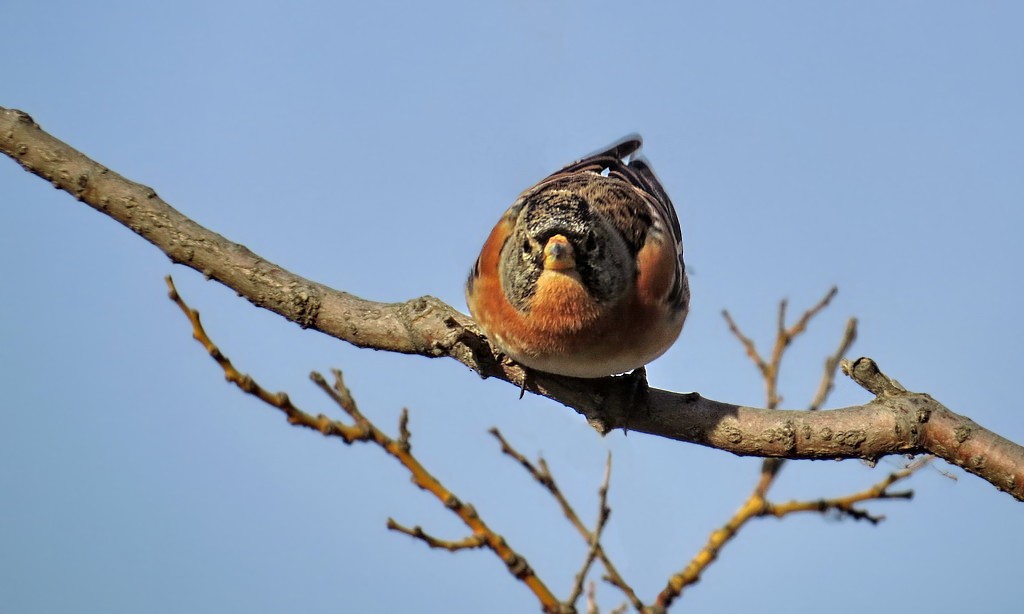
(613, 294)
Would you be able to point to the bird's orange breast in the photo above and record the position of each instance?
(559, 309)
(565, 330)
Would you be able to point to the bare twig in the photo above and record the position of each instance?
(404, 435)
(770, 467)
(603, 512)
(755, 507)
(544, 477)
(280, 400)
(365, 430)
(592, 598)
(801, 325)
(756, 504)
(466, 543)
(784, 336)
(747, 342)
(846, 506)
(828, 377)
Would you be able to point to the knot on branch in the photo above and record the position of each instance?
(305, 303)
(24, 117)
(866, 373)
(433, 325)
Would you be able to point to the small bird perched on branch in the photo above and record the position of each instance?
(584, 275)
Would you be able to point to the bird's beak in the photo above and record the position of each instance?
(558, 254)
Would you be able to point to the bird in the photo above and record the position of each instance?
(583, 275)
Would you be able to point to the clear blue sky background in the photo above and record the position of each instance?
(878, 146)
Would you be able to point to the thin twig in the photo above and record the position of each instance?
(747, 342)
(280, 400)
(828, 377)
(603, 512)
(466, 543)
(784, 336)
(544, 477)
(756, 506)
(770, 467)
(845, 506)
(404, 436)
(365, 430)
(801, 325)
(592, 598)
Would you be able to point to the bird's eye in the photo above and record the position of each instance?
(527, 246)
(591, 243)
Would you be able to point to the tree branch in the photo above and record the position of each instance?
(896, 422)
(365, 431)
(466, 543)
(603, 512)
(757, 506)
(544, 477)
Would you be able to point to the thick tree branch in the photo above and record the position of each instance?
(896, 422)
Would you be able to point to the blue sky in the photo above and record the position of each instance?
(877, 146)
